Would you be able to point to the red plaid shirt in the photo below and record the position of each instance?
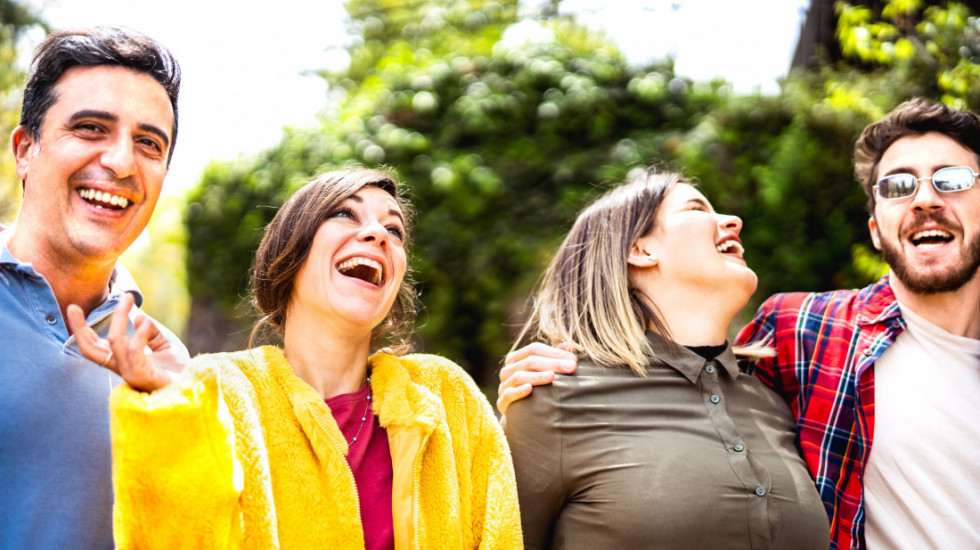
(826, 345)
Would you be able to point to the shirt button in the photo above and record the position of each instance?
(739, 448)
(710, 369)
(51, 319)
(867, 351)
(760, 491)
(715, 399)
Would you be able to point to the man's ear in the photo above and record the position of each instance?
(21, 142)
(873, 228)
(643, 254)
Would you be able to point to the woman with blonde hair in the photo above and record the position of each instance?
(658, 440)
(319, 443)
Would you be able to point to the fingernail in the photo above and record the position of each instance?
(567, 365)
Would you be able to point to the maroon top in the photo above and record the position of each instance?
(370, 460)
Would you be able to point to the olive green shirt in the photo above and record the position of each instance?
(694, 455)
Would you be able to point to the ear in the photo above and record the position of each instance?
(21, 142)
(873, 228)
(643, 254)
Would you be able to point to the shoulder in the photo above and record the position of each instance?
(439, 376)
(431, 371)
(241, 368)
(790, 305)
(569, 394)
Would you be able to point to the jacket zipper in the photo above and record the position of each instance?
(347, 469)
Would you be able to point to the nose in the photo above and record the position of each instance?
(374, 232)
(730, 224)
(926, 197)
(118, 157)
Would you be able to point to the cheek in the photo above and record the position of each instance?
(400, 264)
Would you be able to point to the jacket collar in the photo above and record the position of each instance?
(397, 401)
(400, 401)
(686, 361)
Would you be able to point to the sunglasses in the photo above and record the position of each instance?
(945, 180)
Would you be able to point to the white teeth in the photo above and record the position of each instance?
(932, 233)
(347, 265)
(727, 247)
(105, 198)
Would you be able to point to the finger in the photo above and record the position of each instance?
(533, 378)
(157, 341)
(510, 395)
(93, 348)
(118, 340)
(538, 349)
(538, 363)
(139, 372)
(567, 346)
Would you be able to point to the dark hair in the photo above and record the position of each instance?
(914, 117)
(586, 297)
(63, 50)
(288, 238)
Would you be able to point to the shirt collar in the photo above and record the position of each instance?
(686, 361)
(120, 281)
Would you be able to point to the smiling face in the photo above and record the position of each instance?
(932, 239)
(356, 263)
(93, 176)
(691, 244)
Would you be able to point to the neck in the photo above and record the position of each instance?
(696, 317)
(331, 362)
(956, 312)
(83, 282)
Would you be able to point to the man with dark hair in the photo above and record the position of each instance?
(897, 362)
(97, 132)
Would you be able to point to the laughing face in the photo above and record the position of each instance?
(93, 176)
(932, 239)
(694, 245)
(355, 265)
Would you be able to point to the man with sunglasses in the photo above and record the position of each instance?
(897, 362)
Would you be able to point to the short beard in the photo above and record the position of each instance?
(950, 280)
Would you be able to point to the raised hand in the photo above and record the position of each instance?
(533, 365)
(124, 356)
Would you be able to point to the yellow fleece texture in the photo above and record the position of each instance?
(240, 453)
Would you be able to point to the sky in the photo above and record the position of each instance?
(247, 68)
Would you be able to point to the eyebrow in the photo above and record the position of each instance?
(392, 211)
(698, 202)
(112, 117)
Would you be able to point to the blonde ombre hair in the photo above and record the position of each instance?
(586, 297)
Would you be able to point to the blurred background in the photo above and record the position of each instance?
(505, 118)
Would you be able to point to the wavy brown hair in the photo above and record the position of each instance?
(287, 241)
(912, 118)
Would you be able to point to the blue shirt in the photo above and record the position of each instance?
(55, 452)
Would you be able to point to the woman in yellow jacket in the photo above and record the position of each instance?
(318, 443)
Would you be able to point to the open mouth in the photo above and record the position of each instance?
(930, 239)
(731, 246)
(364, 269)
(102, 199)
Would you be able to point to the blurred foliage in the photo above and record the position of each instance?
(502, 142)
(155, 263)
(15, 20)
(935, 49)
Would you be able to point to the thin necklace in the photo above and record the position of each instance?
(363, 414)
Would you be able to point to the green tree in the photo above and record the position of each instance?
(501, 145)
(15, 20)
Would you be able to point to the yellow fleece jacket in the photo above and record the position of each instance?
(241, 453)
